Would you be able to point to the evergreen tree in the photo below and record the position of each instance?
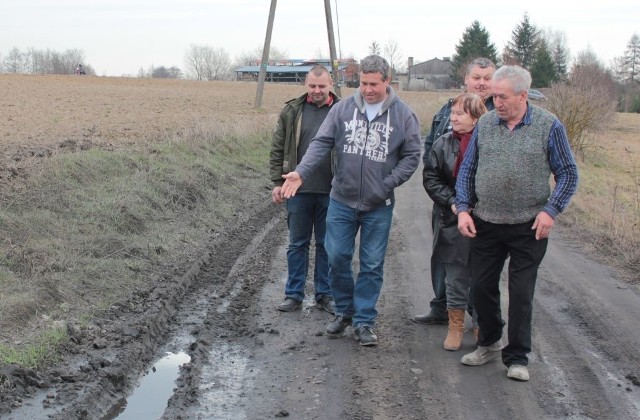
(632, 60)
(523, 45)
(543, 71)
(474, 43)
(557, 46)
(560, 57)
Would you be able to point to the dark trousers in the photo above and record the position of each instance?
(438, 272)
(489, 250)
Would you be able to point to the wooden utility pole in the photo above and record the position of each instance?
(267, 46)
(265, 54)
(332, 48)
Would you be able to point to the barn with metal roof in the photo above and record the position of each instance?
(291, 72)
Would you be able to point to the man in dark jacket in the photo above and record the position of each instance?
(477, 80)
(306, 212)
(376, 138)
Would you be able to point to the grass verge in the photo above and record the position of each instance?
(86, 229)
(605, 213)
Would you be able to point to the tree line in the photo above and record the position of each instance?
(543, 52)
(34, 61)
(546, 55)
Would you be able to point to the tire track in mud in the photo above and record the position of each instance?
(228, 330)
(212, 299)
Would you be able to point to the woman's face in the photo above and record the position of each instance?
(461, 121)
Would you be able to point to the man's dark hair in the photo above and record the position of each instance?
(319, 70)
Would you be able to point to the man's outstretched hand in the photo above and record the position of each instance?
(292, 181)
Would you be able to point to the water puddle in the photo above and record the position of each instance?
(149, 400)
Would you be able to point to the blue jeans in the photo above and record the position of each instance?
(357, 299)
(307, 213)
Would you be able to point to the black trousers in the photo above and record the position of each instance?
(493, 244)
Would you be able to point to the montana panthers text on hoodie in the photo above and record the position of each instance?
(372, 157)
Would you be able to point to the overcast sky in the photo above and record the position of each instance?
(121, 36)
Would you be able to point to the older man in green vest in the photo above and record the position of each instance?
(505, 204)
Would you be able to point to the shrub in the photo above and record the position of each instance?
(585, 104)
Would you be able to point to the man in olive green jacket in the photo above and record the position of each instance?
(297, 125)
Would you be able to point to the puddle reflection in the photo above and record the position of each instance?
(149, 400)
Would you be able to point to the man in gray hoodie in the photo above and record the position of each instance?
(376, 138)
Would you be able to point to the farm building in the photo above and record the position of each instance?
(294, 71)
(429, 75)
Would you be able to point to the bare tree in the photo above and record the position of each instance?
(374, 48)
(254, 56)
(585, 103)
(15, 62)
(65, 63)
(207, 63)
(318, 53)
(195, 62)
(618, 69)
(35, 61)
(274, 53)
(393, 54)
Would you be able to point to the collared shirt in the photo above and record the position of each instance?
(561, 162)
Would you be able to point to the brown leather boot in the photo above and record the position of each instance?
(456, 329)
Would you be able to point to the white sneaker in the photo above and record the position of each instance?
(482, 354)
(518, 372)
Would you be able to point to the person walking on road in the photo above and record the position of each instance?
(376, 138)
(297, 124)
(506, 206)
(439, 178)
(479, 73)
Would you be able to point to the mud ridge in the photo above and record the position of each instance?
(105, 359)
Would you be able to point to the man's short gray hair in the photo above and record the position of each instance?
(481, 62)
(375, 64)
(519, 78)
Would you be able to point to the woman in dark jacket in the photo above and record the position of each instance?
(439, 179)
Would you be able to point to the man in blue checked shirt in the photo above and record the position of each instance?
(506, 205)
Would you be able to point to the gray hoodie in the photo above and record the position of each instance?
(372, 157)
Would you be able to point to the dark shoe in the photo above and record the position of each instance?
(431, 319)
(289, 305)
(326, 303)
(336, 327)
(366, 336)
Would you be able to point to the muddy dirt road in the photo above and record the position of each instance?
(207, 343)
